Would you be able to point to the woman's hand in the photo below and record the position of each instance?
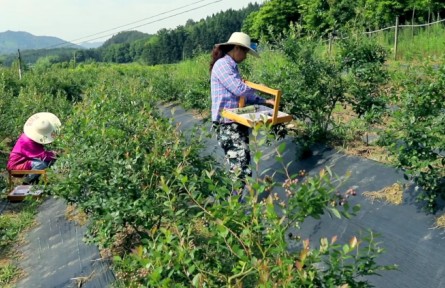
(270, 102)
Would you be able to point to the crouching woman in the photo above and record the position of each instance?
(29, 152)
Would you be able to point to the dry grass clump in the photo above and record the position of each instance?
(440, 222)
(74, 214)
(392, 194)
(371, 152)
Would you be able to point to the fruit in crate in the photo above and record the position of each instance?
(244, 110)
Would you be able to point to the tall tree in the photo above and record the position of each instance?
(273, 17)
(324, 16)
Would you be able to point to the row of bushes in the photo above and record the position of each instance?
(146, 189)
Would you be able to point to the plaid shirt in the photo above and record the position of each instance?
(227, 87)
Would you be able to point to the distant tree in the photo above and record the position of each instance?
(122, 53)
(31, 56)
(189, 23)
(44, 63)
(382, 13)
(424, 10)
(136, 49)
(323, 16)
(150, 50)
(273, 17)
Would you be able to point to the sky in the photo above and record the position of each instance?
(80, 21)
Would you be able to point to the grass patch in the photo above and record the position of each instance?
(15, 220)
(8, 273)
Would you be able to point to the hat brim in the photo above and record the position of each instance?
(37, 137)
(31, 133)
(251, 51)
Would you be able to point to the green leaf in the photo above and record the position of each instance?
(257, 157)
(196, 280)
(345, 248)
(334, 212)
(223, 231)
(281, 148)
(191, 269)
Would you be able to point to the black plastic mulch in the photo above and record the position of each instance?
(56, 256)
(406, 231)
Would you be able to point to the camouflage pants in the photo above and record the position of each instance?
(234, 139)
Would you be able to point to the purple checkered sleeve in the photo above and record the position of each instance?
(227, 87)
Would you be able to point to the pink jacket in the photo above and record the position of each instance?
(26, 150)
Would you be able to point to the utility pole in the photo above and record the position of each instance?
(20, 65)
(330, 44)
(396, 37)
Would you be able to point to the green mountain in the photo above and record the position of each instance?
(125, 37)
(10, 41)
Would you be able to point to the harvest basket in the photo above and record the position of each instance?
(254, 115)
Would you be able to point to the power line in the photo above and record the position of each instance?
(178, 13)
(138, 21)
(118, 27)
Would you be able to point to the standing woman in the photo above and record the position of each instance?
(227, 87)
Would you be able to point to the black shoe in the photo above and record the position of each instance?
(30, 182)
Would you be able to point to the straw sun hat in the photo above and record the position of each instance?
(41, 127)
(241, 39)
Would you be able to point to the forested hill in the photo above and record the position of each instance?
(169, 46)
(166, 46)
(10, 41)
(125, 37)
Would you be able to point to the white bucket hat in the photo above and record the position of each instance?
(41, 127)
(241, 39)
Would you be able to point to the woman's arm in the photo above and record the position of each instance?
(34, 150)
